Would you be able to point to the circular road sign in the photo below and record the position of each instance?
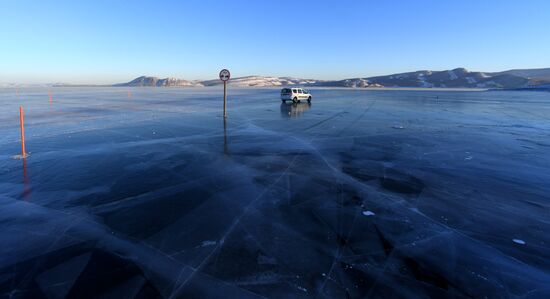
(225, 75)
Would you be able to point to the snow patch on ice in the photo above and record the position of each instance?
(519, 241)
(20, 157)
(368, 213)
(208, 243)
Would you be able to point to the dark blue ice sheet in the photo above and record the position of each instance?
(377, 194)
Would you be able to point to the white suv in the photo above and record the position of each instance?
(295, 95)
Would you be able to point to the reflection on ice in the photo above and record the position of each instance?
(144, 197)
(225, 146)
(294, 110)
(26, 187)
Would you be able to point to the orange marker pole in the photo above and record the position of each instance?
(51, 97)
(22, 124)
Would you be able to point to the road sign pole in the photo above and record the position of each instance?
(224, 98)
(224, 76)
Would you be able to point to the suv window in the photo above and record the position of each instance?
(294, 91)
(286, 90)
(299, 91)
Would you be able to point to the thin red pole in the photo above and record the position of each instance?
(22, 124)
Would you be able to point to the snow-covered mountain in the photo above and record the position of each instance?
(537, 74)
(353, 83)
(536, 77)
(156, 82)
(459, 77)
(456, 78)
(262, 81)
(250, 81)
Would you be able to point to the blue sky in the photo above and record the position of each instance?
(115, 41)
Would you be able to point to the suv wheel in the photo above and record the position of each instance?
(309, 100)
(295, 100)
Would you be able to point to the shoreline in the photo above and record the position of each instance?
(435, 89)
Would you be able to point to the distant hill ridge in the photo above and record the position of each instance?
(455, 78)
(156, 82)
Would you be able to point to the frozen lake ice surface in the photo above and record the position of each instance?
(362, 194)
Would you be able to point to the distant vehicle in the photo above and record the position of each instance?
(295, 95)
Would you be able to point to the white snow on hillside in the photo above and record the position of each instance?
(471, 80)
(261, 81)
(358, 83)
(452, 75)
(423, 82)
